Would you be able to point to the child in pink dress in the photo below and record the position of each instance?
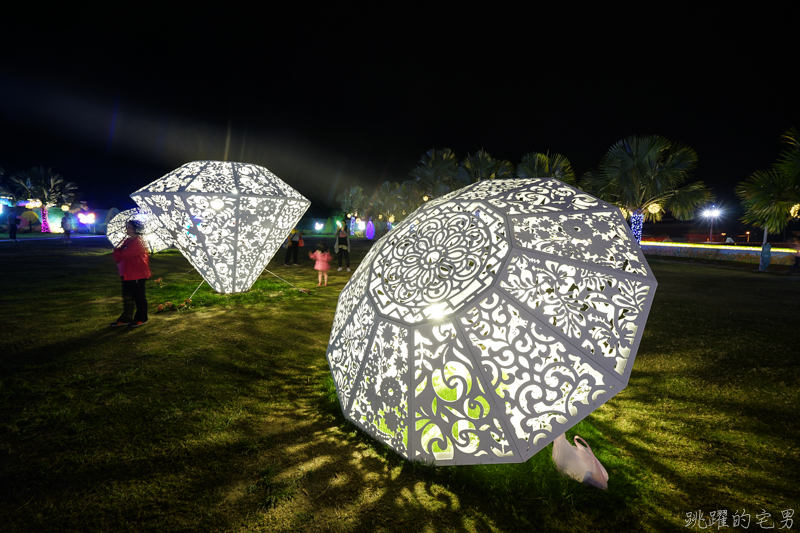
(322, 257)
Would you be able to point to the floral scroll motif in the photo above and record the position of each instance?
(380, 404)
(594, 311)
(347, 353)
(545, 387)
(453, 416)
(596, 238)
(545, 195)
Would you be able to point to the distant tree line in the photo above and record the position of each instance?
(644, 176)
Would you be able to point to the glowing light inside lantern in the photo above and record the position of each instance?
(318, 226)
(436, 311)
(360, 224)
(217, 204)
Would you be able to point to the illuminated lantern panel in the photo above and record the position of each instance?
(154, 233)
(490, 321)
(228, 219)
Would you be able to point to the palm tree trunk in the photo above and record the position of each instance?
(45, 221)
(637, 219)
(765, 236)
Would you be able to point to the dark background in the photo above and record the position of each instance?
(113, 100)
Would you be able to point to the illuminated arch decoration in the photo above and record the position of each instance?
(490, 321)
(228, 219)
(156, 236)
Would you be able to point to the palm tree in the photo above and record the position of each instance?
(49, 189)
(539, 165)
(352, 201)
(769, 196)
(436, 175)
(482, 166)
(386, 200)
(644, 175)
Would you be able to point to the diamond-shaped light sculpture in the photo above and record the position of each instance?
(228, 219)
(155, 235)
(490, 321)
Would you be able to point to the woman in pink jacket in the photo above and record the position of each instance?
(135, 270)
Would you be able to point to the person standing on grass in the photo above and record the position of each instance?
(293, 247)
(66, 225)
(342, 246)
(12, 225)
(135, 270)
(323, 258)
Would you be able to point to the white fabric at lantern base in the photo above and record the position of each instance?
(154, 234)
(490, 321)
(228, 219)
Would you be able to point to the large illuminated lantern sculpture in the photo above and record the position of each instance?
(228, 219)
(490, 321)
(154, 234)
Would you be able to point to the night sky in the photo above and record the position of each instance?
(331, 99)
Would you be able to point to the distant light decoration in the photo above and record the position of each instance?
(246, 213)
(360, 224)
(65, 207)
(319, 225)
(154, 234)
(654, 208)
(33, 204)
(424, 198)
(637, 223)
(370, 231)
(86, 218)
(794, 212)
(380, 217)
(732, 247)
(467, 339)
(391, 218)
(711, 213)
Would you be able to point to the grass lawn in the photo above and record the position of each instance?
(223, 417)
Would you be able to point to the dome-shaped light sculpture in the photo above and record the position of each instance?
(490, 321)
(228, 219)
(154, 234)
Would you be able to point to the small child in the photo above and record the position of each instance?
(322, 257)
